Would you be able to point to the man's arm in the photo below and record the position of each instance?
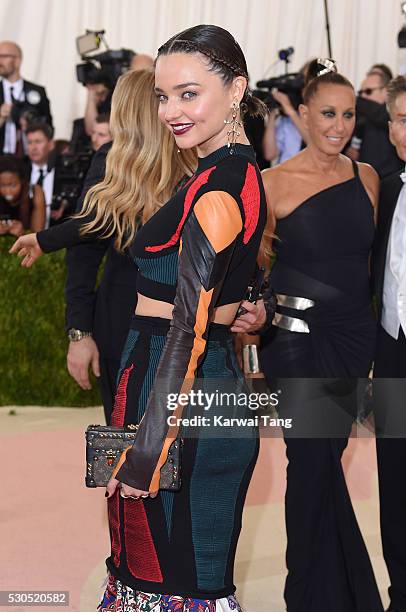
(83, 262)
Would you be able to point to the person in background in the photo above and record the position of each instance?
(99, 92)
(389, 282)
(370, 142)
(382, 69)
(97, 322)
(22, 207)
(41, 168)
(101, 131)
(18, 96)
(285, 133)
(62, 147)
(141, 61)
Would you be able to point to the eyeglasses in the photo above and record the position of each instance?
(368, 90)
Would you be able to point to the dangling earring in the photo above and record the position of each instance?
(235, 124)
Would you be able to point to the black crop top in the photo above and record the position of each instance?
(198, 251)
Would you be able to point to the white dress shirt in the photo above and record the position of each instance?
(47, 186)
(10, 135)
(394, 286)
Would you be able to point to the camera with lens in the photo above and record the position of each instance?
(70, 172)
(290, 84)
(110, 63)
(27, 111)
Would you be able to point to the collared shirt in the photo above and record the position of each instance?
(10, 135)
(394, 286)
(288, 138)
(47, 186)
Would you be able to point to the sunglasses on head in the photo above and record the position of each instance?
(368, 90)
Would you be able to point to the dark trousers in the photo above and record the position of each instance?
(390, 415)
(108, 383)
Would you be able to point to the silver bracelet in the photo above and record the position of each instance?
(250, 359)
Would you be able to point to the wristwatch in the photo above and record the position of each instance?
(75, 335)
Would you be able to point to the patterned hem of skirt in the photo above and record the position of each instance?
(120, 598)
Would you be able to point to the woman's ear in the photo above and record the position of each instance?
(238, 88)
(304, 114)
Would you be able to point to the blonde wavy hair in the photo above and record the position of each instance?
(143, 166)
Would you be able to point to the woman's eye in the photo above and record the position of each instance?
(188, 95)
(328, 113)
(161, 98)
(349, 115)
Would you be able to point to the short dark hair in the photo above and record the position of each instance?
(395, 88)
(10, 163)
(103, 118)
(383, 71)
(46, 129)
(313, 79)
(225, 56)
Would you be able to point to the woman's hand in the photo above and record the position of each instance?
(252, 320)
(126, 490)
(28, 248)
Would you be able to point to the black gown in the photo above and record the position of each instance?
(322, 251)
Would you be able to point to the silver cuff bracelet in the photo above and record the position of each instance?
(250, 359)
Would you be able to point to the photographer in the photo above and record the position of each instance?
(17, 97)
(284, 133)
(99, 92)
(22, 207)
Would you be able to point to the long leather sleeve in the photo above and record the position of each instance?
(207, 243)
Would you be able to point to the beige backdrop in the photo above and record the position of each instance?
(362, 31)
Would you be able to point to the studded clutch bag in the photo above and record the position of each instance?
(104, 447)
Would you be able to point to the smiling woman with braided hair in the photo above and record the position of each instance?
(196, 256)
(175, 550)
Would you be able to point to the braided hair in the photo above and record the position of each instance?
(224, 54)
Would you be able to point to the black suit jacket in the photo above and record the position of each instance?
(388, 197)
(106, 312)
(42, 108)
(376, 148)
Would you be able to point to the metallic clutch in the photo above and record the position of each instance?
(104, 447)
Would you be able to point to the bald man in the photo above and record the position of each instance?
(17, 97)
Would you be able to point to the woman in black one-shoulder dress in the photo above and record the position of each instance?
(324, 328)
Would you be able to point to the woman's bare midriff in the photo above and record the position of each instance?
(147, 307)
